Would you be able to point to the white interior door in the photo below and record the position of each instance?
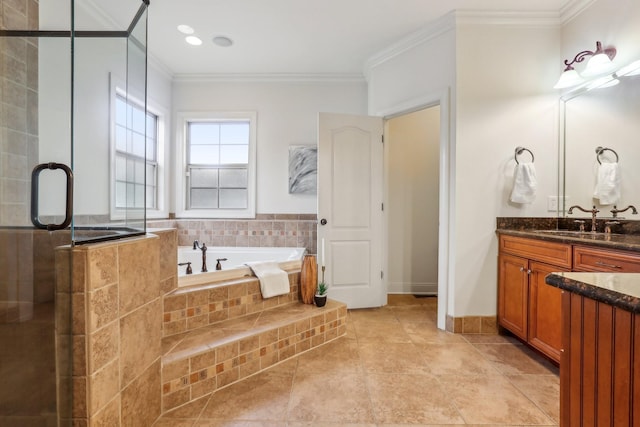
(350, 166)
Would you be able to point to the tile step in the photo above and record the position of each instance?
(201, 361)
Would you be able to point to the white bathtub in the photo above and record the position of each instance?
(234, 267)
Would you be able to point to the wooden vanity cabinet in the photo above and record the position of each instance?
(587, 258)
(599, 375)
(527, 306)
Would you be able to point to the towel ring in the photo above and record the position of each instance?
(600, 150)
(520, 150)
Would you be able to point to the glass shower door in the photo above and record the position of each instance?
(49, 117)
(35, 308)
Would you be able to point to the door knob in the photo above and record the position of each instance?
(323, 221)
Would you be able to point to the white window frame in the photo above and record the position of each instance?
(182, 123)
(118, 87)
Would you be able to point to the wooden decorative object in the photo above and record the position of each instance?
(308, 278)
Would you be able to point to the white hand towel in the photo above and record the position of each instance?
(607, 184)
(273, 280)
(524, 183)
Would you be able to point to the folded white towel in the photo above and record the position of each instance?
(607, 184)
(524, 183)
(273, 280)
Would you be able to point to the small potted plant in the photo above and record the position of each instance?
(320, 298)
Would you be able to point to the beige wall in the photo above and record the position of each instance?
(413, 143)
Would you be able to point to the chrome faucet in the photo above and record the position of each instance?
(593, 213)
(615, 211)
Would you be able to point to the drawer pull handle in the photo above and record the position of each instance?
(604, 264)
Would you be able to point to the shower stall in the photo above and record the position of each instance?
(75, 167)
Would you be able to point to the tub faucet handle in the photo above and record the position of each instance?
(218, 265)
(188, 264)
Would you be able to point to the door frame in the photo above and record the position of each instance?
(446, 195)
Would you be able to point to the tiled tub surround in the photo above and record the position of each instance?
(266, 230)
(219, 334)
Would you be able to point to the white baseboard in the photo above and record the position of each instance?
(413, 288)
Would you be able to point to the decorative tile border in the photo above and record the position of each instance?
(189, 378)
(190, 308)
(266, 230)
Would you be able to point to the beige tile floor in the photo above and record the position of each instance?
(393, 368)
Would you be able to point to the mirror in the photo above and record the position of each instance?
(607, 117)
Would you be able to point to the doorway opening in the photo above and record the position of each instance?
(413, 148)
(434, 222)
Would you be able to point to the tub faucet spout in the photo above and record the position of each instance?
(203, 248)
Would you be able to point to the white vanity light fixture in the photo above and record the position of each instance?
(599, 63)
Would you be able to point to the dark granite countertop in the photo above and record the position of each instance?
(627, 242)
(620, 290)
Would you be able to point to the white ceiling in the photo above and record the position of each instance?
(297, 36)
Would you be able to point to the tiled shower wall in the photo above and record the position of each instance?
(266, 230)
(18, 110)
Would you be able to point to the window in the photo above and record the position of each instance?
(136, 182)
(218, 165)
(135, 137)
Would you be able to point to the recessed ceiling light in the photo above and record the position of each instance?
(185, 29)
(222, 41)
(193, 40)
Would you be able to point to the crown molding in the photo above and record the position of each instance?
(449, 21)
(574, 8)
(434, 29)
(509, 18)
(269, 77)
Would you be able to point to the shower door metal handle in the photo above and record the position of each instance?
(35, 190)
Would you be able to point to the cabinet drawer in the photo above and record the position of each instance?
(593, 259)
(558, 254)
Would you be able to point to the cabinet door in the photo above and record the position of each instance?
(513, 294)
(545, 311)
